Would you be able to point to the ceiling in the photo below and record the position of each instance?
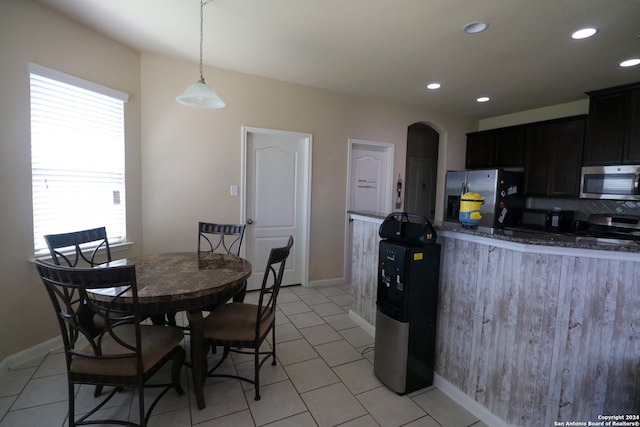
(390, 49)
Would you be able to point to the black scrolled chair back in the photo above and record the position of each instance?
(81, 249)
(67, 287)
(115, 355)
(225, 239)
(228, 238)
(271, 281)
(79, 241)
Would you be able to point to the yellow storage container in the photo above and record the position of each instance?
(470, 204)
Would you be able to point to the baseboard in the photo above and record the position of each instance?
(32, 353)
(326, 282)
(467, 402)
(368, 327)
(453, 392)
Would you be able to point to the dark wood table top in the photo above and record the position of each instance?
(171, 282)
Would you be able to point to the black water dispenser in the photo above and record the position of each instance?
(407, 303)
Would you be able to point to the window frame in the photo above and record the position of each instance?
(120, 98)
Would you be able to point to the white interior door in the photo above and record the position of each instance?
(277, 187)
(369, 186)
(370, 177)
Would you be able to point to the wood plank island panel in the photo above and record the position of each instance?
(364, 270)
(540, 337)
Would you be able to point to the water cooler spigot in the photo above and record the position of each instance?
(386, 279)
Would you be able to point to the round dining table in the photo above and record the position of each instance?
(184, 281)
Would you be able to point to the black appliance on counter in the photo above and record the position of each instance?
(610, 229)
(407, 302)
(553, 221)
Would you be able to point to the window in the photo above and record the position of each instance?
(77, 156)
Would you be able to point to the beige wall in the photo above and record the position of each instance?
(31, 33)
(568, 109)
(191, 157)
(180, 161)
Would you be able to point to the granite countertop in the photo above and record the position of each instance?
(370, 214)
(531, 237)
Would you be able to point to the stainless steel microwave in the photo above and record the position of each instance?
(610, 182)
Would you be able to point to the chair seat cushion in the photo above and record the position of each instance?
(156, 343)
(235, 322)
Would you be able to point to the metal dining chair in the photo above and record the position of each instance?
(239, 326)
(221, 238)
(77, 249)
(218, 238)
(123, 353)
(77, 242)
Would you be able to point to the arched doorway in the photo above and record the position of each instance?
(421, 170)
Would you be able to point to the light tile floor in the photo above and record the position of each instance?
(324, 378)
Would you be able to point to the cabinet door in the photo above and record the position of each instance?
(632, 146)
(509, 147)
(536, 163)
(554, 158)
(606, 129)
(566, 158)
(479, 151)
(499, 148)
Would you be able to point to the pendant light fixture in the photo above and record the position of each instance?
(200, 95)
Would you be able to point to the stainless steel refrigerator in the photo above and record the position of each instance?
(501, 189)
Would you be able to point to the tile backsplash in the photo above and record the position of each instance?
(584, 207)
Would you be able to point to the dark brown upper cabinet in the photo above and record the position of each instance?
(613, 128)
(496, 148)
(553, 157)
(479, 150)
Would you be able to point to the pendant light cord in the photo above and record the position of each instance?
(202, 3)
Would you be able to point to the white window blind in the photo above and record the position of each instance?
(77, 156)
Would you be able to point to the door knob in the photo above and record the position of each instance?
(249, 221)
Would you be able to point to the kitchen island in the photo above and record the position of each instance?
(364, 261)
(532, 331)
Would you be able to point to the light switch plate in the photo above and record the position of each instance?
(233, 190)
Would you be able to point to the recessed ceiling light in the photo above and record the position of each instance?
(630, 62)
(475, 27)
(433, 86)
(584, 33)
(483, 99)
